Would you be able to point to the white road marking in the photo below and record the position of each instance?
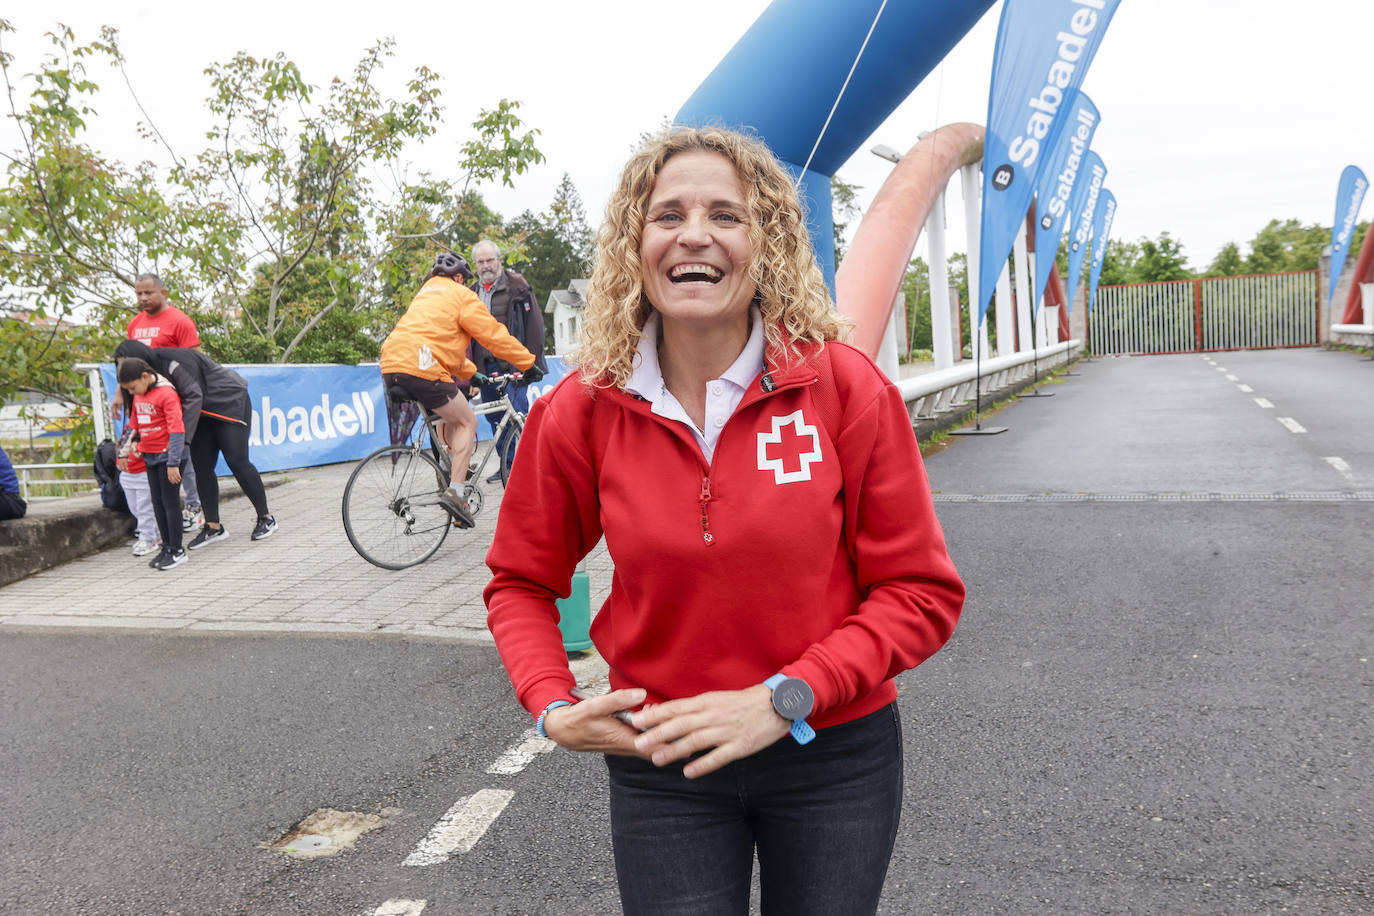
(591, 672)
(1246, 388)
(516, 758)
(1293, 425)
(460, 829)
(1232, 378)
(400, 907)
(1341, 467)
(1221, 368)
(1265, 403)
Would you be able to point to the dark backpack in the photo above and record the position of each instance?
(107, 475)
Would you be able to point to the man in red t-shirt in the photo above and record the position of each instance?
(158, 324)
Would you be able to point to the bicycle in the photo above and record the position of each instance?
(391, 509)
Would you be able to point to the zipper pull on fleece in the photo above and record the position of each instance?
(706, 534)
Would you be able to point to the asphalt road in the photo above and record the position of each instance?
(1153, 704)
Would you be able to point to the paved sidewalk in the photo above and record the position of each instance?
(306, 578)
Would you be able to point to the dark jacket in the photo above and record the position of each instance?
(204, 386)
(514, 304)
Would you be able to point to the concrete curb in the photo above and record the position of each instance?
(59, 531)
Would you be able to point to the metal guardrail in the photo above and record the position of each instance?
(1359, 334)
(27, 480)
(934, 393)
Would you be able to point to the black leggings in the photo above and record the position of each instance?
(221, 437)
(166, 506)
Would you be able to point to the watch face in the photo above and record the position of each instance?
(793, 699)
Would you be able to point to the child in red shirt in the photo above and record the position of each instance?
(133, 477)
(162, 442)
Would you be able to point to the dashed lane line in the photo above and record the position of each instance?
(1341, 467)
(1232, 378)
(465, 823)
(516, 758)
(398, 906)
(1265, 403)
(1292, 425)
(1246, 388)
(461, 828)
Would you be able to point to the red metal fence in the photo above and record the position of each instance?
(1218, 313)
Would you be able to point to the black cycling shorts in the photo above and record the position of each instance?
(431, 393)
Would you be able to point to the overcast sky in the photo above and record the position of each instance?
(1216, 116)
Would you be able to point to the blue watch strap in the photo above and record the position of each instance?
(539, 723)
(801, 731)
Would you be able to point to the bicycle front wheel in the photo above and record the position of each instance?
(506, 448)
(391, 510)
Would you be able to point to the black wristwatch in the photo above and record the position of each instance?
(793, 699)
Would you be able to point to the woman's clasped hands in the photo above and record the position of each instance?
(729, 724)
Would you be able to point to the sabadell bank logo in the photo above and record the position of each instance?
(354, 416)
(1002, 178)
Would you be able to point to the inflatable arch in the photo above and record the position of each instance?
(793, 78)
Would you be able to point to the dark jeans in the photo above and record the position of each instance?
(12, 506)
(520, 397)
(166, 505)
(221, 437)
(822, 817)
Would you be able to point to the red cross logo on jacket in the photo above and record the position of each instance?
(799, 447)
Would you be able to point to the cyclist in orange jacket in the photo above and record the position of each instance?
(426, 354)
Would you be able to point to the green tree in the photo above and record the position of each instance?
(844, 207)
(1118, 265)
(76, 228)
(1287, 245)
(1227, 263)
(916, 287)
(1160, 259)
(296, 174)
(555, 246)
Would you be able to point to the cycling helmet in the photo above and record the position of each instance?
(448, 264)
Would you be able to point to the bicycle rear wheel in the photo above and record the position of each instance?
(391, 510)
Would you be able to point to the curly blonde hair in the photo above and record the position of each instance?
(790, 290)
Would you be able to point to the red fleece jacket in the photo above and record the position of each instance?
(796, 549)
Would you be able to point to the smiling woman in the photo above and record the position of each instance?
(777, 556)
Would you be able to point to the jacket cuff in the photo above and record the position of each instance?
(540, 694)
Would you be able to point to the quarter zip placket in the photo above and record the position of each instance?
(705, 496)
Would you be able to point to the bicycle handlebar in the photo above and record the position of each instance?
(498, 378)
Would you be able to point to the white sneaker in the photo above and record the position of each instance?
(142, 548)
(191, 519)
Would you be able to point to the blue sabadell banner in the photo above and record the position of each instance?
(1081, 210)
(1055, 188)
(1102, 230)
(1043, 51)
(1349, 195)
(308, 415)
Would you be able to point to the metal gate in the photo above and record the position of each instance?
(1220, 313)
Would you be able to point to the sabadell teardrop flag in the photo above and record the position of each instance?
(1056, 185)
(1082, 207)
(1043, 51)
(1102, 230)
(1349, 196)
